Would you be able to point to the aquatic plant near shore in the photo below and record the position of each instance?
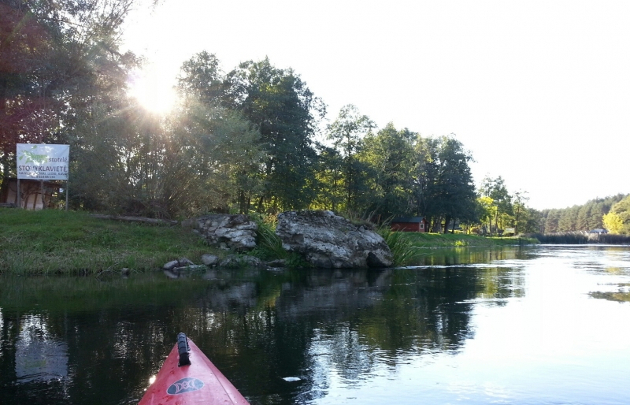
(403, 250)
(269, 245)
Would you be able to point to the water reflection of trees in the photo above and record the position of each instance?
(257, 326)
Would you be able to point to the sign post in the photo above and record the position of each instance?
(42, 162)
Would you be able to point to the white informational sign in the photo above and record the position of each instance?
(42, 161)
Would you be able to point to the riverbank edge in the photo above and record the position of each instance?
(52, 242)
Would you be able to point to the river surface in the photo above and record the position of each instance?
(533, 325)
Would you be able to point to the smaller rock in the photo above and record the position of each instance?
(125, 272)
(183, 262)
(192, 267)
(170, 265)
(209, 260)
(277, 263)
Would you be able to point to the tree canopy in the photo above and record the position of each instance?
(251, 138)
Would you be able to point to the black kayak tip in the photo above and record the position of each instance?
(183, 350)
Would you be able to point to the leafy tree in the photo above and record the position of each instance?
(457, 190)
(390, 153)
(286, 113)
(63, 80)
(618, 219)
(201, 81)
(531, 221)
(444, 184)
(329, 178)
(520, 210)
(424, 178)
(613, 223)
(347, 133)
(220, 144)
(487, 211)
(502, 200)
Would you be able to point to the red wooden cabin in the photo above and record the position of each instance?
(410, 224)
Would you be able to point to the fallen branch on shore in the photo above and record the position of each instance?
(154, 221)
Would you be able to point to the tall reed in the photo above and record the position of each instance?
(269, 245)
(403, 250)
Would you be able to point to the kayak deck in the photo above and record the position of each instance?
(198, 382)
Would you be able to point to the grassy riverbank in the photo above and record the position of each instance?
(58, 242)
(409, 247)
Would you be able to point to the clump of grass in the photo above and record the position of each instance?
(358, 220)
(269, 245)
(403, 250)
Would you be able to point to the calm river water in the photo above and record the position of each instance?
(537, 325)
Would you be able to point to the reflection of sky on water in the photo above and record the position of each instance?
(550, 343)
(38, 355)
(553, 343)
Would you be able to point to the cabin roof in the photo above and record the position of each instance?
(408, 219)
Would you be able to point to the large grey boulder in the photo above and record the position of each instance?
(330, 241)
(236, 232)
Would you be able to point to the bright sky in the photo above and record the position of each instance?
(538, 91)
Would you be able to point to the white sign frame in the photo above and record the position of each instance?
(40, 161)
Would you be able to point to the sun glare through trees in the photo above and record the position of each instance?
(153, 90)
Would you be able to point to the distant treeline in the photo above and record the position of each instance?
(578, 217)
(582, 238)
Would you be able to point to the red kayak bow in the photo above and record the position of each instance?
(189, 377)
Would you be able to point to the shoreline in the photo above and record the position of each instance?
(53, 242)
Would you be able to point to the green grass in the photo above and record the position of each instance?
(432, 240)
(410, 248)
(60, 242)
